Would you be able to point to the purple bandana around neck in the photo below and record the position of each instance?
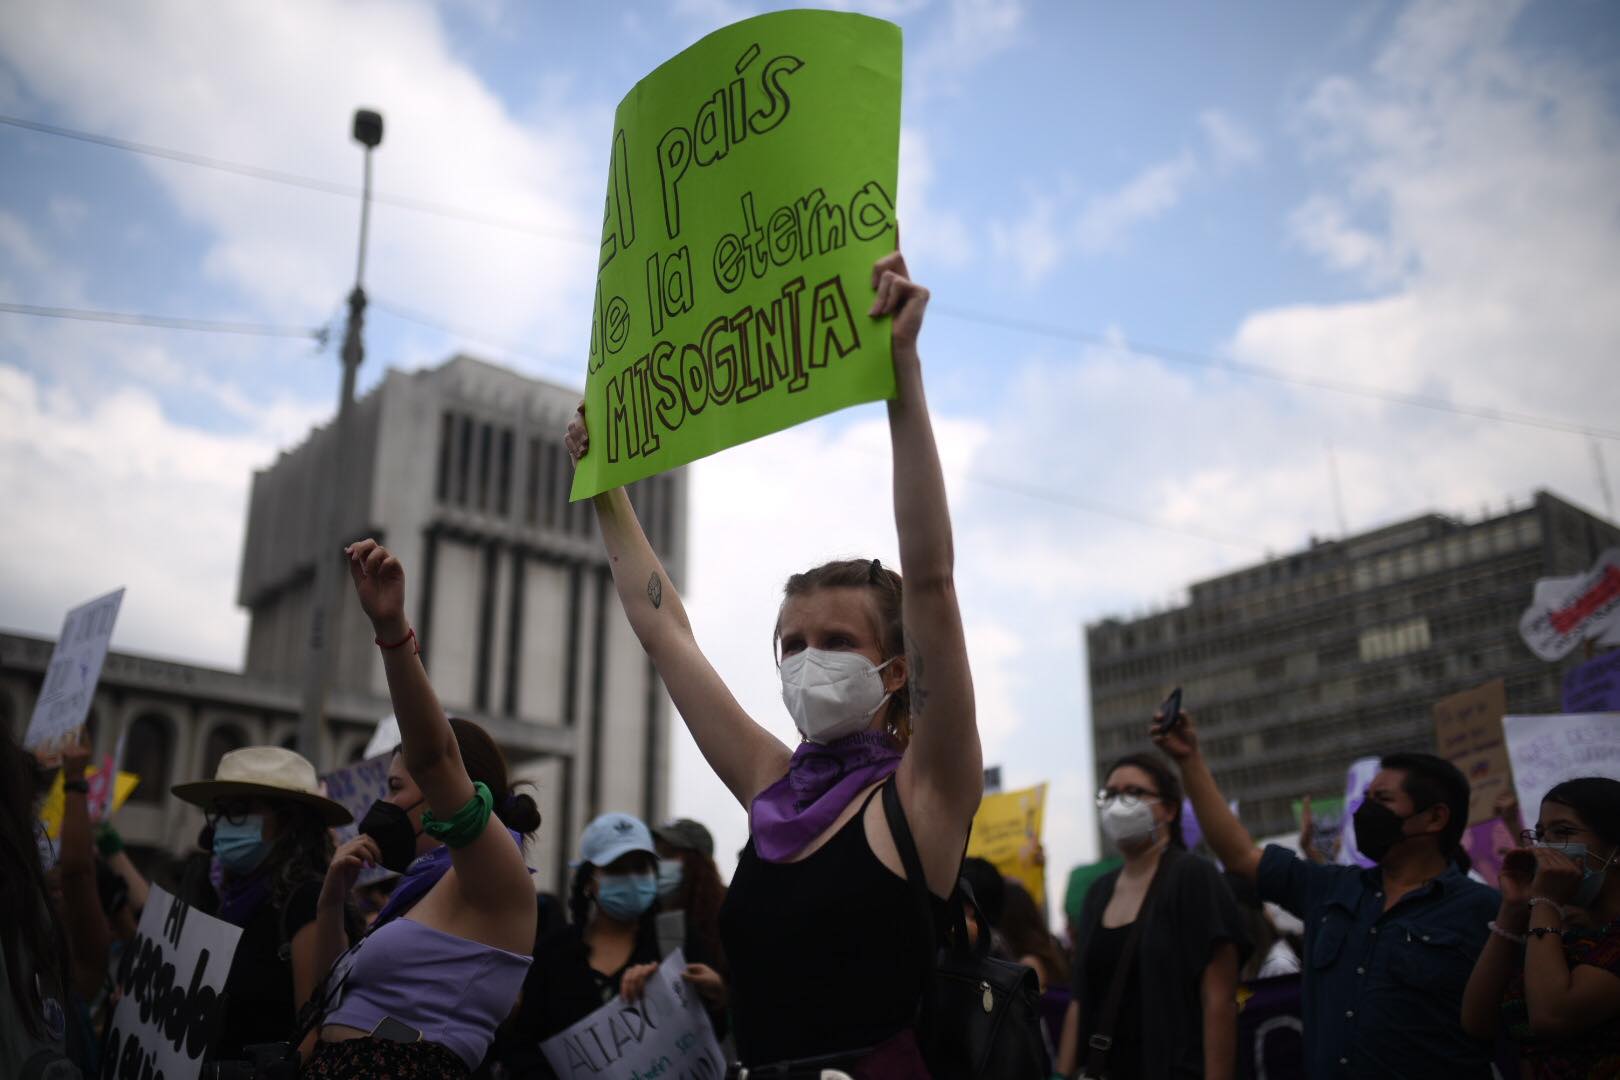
(820, 782)
(423, 873)
(240, 899)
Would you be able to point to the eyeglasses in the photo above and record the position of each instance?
(235, 811)
(1558, 834)
(1129, 797)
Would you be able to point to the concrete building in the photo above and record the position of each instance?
(1299, 665)
(461, 471)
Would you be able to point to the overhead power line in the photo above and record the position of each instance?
(1261, 371)
(1028, 326)
(318, 334)
(310, 183)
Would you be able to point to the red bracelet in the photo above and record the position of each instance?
(410, 635)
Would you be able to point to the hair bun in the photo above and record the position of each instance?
(518, 811)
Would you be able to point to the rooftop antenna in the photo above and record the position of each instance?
(1603, 479)
(1338, 495)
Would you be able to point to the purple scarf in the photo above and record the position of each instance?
(423, 873)
(240, 899)
(820, 782)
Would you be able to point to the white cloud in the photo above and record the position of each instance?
(969, 34)
(115, 494)
(1489, 169)
(275, 86)
(929, 233)
(1054, 226)
(1105, 219)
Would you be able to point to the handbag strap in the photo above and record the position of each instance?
(895, 813)
(1102, 1036)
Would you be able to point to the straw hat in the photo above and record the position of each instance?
(264, 772)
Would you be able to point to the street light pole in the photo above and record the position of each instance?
(368, 130)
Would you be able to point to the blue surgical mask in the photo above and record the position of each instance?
(671, 872)
(1586, 893)
(241, 848)
(626, 897)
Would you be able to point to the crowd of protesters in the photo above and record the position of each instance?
(817, 958)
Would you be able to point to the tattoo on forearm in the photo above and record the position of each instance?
(918, 687)
(655, 590)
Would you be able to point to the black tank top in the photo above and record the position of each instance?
(826, 953)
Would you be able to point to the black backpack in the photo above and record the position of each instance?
(979, 1018)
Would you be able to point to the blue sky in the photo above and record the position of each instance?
(1417, 197)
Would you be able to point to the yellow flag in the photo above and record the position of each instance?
(1007, 832)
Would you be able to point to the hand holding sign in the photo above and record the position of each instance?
(751, 183)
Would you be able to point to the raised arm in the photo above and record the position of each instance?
(82, 917)
(942, 775)
(745, 756)
(1223, 832)
(493, 878)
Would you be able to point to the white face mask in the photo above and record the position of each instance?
(831, 694)
(1125, 824)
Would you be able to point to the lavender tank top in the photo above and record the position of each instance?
(454, 991)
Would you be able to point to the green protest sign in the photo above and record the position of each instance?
(751, 187)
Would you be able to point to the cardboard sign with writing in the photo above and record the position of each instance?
(1594, 686)
(1547, 750)
(357, 786)
(667, 1033)
(1468, 733)
(70, 681)
(751, 187)
(169, 979)
(1007, 832)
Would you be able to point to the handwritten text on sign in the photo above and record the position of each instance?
(666, 1034)
(170, 977)
(356, 787)
(1547, 750)
(70, 681)
(751, 187)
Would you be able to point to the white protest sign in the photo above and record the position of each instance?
(357, 786)
(170, 977)
(1547, 750)
(1361, 773)
(64, 699)
(384, 739)
(1565, 611)
(665, 1034)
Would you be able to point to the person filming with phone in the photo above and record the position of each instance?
(1549, 978)
(1388, 950)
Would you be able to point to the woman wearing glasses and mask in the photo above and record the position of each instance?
(1159, 945)
(269, 828)
(1549, 977)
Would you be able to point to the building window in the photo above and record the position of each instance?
(531, 487)
(221, 740)
(503, 474)
(149, 753)
(464, 460)
(447, 435)
(486, 440)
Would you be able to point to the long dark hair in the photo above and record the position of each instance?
(484, 761)
(301, 852)
(33, 938)
(1595, 800)
(885, 588)
(1026, 934)
(701, 894)
(1165, 779)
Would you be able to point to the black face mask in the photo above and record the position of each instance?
(391, 827)
(1378, 828)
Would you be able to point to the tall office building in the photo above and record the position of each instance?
(461, 471)
(1299, 665)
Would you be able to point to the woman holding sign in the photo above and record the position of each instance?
(422, 993)
(826, 949)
